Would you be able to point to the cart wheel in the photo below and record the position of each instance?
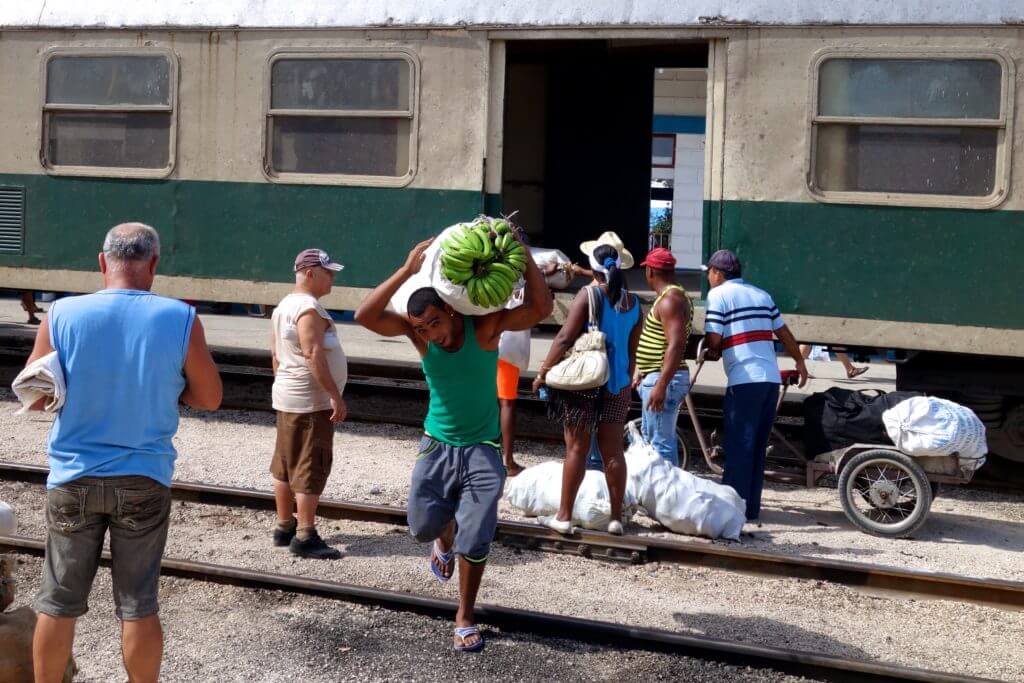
(885, 493)
(680, 442)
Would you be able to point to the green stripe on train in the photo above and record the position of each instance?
(916, 265)
(248, 231)
(947, 266)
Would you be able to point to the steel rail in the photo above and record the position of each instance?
(631, 549)
(826, 667)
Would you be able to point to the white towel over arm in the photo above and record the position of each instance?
(42, 378)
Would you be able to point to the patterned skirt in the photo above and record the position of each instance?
(589, 408)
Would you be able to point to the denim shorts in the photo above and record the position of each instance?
(461, 483)
(136, 510)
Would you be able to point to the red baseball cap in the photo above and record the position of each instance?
(660, 258)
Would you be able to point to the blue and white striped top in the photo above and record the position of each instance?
(747, 318)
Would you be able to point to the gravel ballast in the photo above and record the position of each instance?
(225, 633)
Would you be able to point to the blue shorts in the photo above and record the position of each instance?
(463, 483)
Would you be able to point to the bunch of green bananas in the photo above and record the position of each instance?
(486, 258)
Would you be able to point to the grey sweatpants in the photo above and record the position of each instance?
(462, 483)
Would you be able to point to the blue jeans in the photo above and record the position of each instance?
(748, 414)
(659, 429)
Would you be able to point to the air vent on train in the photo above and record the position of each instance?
(12, 220)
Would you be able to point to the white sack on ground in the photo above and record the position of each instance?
(537, 491)
(8, 520)
(925, 425)
(682, 502)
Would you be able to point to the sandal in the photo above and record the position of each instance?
(464, 632)
(447, 559)
(856, 372)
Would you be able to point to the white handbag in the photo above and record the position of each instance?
(585, 366)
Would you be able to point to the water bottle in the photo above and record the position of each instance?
(543, 392)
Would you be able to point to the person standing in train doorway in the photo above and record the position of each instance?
(740, 325)
(662, 377)
(458, 476)
(310, 371)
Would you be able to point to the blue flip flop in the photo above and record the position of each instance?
(446, 559)
(466, 631)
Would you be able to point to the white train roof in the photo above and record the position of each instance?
(499, 13)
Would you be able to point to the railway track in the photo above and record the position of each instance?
(797, 662)
(630, 549)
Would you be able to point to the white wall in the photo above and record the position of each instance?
(680, 92)
(688, 200)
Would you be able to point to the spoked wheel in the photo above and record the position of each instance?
(885, 493)
(680, 443)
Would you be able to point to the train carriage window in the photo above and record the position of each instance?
(109, 113)
(911, 130)
(341, 118)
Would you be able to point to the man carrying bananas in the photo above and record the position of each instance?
(458, 476)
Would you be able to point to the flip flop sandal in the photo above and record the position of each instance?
(464, 632)
(857, 372)
(446, 559)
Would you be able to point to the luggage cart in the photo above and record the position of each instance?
(884, 491)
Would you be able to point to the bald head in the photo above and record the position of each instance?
(130, 246)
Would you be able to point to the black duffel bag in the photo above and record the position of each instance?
(839, 417)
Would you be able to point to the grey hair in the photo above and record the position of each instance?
(130, 244)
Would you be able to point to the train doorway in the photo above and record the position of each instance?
(585, 130)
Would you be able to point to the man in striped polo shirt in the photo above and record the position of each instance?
(740, 325)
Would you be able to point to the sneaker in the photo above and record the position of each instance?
(314, 547)
(283, 537)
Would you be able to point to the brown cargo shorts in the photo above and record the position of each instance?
(303, 454)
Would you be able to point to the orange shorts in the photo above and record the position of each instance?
(508, 381)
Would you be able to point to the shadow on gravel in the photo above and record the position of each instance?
(941, 527)
(397, 542)
(764, 631)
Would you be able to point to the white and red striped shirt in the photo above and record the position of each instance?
(747, 318)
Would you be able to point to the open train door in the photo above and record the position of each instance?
(576, 135)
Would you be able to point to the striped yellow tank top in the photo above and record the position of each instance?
(650, 353)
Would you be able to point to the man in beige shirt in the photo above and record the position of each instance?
(310, 372)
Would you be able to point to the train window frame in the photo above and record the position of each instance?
(347, 179)
(1004, 126)
(110, 171)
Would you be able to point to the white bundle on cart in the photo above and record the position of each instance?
(537, 491)
(680, 501)
(929, 426)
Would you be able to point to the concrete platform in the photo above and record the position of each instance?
(251, 336)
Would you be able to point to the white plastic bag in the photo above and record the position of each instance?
(682, 502)
(925, 425)
(400, 299)
(514, 346)
(542, 257)
(537, 491)
(454, 295)
(8, 520)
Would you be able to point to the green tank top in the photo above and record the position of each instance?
(463, 392)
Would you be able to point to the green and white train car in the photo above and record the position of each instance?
(859, 157)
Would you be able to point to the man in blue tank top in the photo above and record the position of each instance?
(459, 475)
(128, 357)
